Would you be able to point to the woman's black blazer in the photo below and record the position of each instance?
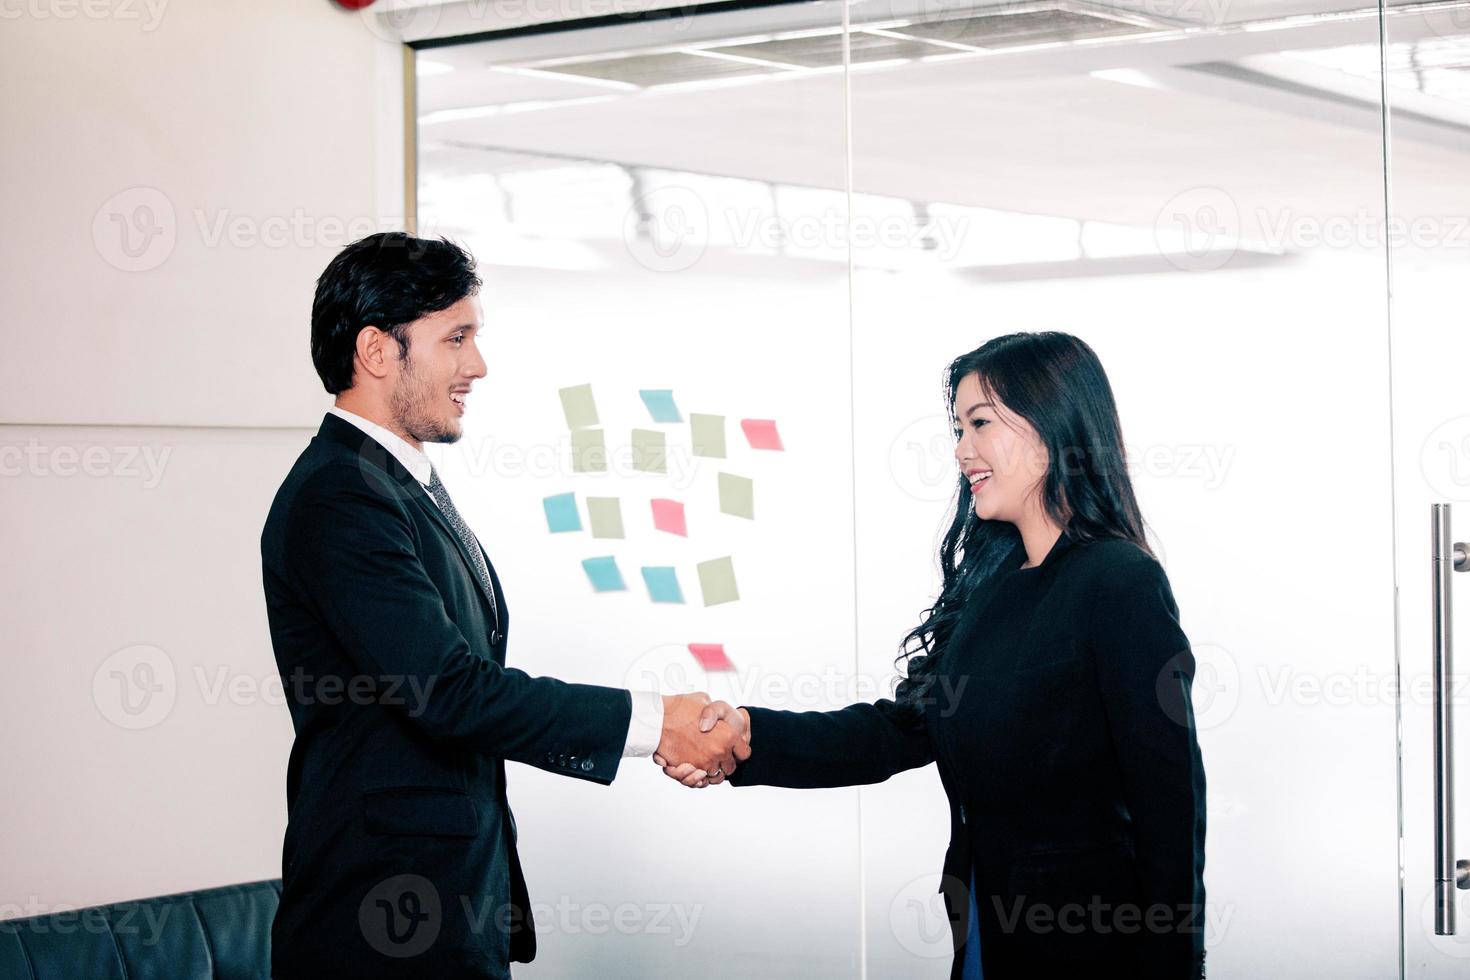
(1061, 722)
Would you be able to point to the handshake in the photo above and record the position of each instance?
(703, 740)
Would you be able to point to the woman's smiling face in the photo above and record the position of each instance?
(999, 453)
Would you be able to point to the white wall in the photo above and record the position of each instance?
(150, 404)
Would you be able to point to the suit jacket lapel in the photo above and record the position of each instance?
(400, 482)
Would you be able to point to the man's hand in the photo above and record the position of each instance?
(712, 713)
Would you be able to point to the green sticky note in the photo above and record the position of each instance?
(650, 451)
(717, 581)
(606, 515)
(737, 495)
(561, 513)
(709, 434)
(589, 452)
(578, 406)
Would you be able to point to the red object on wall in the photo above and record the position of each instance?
(353, 4)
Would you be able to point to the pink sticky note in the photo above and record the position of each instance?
(711, 656)
(668, 515)
(762, 434)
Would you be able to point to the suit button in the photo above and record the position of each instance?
(561, 760)
(586, 765)
(550, 759)
(572, 761)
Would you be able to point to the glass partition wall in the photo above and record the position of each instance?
(727, 257)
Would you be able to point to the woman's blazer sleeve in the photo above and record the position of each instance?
(856, 745)
(1145, 671)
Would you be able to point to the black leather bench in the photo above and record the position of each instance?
(213, 934)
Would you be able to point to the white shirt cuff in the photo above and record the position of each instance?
(645, 724)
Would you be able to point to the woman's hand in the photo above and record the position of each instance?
(714, 712)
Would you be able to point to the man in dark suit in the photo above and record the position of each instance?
(390, 630)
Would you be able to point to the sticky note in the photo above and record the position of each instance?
(660, 403)
(711, 656)
(717, 581)
(578, 406)
(737, 495)
(709, 435)
(650, 451)
(604, 574)
(589, 452)
(606, 516)
(762, 434)
(663, 584)
(561, 513)
(668, 515)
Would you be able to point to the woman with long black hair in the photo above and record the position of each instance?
(1050, 681)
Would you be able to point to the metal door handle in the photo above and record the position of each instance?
(1449, 874)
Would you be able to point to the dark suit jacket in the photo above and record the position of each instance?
(399, 855)
(1061, 722)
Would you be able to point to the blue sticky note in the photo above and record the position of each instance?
(561, 513)
(663, 584)
(604, 574)
(660, 402)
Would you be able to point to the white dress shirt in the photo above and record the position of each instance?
(645, 725)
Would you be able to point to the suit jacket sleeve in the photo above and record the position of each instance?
(351, 553)
(857, 745)
(1145, 671)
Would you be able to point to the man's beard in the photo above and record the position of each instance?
(410, 403)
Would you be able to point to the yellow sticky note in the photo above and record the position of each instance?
(717, 581)
(589, 451)
(709, 434)
(737, 495)
(650, 451)
(607, 517)
(579, 407)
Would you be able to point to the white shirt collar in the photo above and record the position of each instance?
(413, 460)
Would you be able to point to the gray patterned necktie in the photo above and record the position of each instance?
(466, 537)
